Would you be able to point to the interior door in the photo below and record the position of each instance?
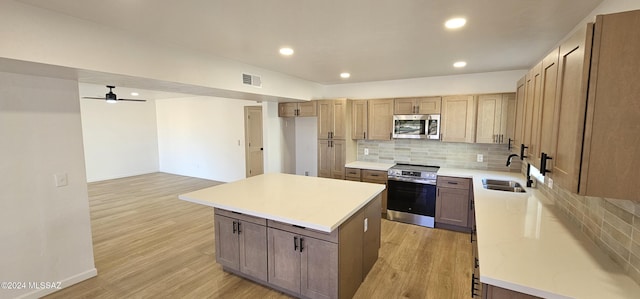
(254, 153)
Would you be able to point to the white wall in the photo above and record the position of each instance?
(273, 139)
(306, 136)
(288, 145)
(202, 137)
(120, 139)
(44, 36)
(430, 86)
(45, 231)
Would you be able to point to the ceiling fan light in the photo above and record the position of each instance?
(111, 101)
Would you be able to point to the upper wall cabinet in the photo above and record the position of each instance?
(458, 119)
(426, 105)
(297, 109)
(518, 129)
(532, 108)
(380, 119)
(359, 118)
(493, 125)
(547, 110)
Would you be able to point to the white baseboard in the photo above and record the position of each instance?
(65, 283)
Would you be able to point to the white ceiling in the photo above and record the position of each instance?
(372, 39)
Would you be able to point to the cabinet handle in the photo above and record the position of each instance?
(501, 138)
(365, 135)
(522, 147)
(295, 243)
(375, 175)
(235, 227)
(473, 232)
(476, 262)
(543, 163)
(239, 225)
(390, 135)
(452, 183)
(473, 285)
(301, 244)
(509, 145)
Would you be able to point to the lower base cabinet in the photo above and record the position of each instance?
(453, 203)
(298, 261)
(302, 264)
(370, 176)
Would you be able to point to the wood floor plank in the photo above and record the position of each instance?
(149, 244)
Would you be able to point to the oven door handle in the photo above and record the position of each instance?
(425, 182)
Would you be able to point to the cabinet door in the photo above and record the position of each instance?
(380, 119)
(568, 123)
(359, 114)
(404, 106)
(518, 132)
(325, 118)
(319, 268)
(452, 206)
(307, 109)
(458, 119)
(531, 118)
(284, 259)
(337, 152)
(489, 118)
(287, 109)
(325, 158)
(510, 120)
(430, 105)
(547, 107)
(227, 243)
(253, 256)
(339, 119)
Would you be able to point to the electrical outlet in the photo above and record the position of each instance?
(366, 224)
(480, 158)
(61, 179)
(306, 173)
(366, 151)
(550, 183)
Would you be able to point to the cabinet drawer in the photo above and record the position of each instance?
(453, 182)
(332, 237)
(374, 176)
(352, 174)
(240, 216)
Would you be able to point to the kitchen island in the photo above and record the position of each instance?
(306, 236)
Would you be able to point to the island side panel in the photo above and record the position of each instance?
(371, 235)
(351, 241)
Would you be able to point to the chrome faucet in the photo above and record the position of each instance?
(509, 159)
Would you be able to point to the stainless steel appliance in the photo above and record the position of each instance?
(411, 196)
(419, 126)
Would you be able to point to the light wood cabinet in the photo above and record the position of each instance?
(426, 105)
(518, 132)
(331, 158)
(359, 117)
(532, 108)
(303, 264)
(335, 145)
(380, 119)
(302, 109)
(458, 119)
(370, 176)
(453, 201)
(493, 118)
(547, 109)
(240, 244)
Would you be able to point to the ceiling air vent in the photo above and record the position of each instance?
(252, 80)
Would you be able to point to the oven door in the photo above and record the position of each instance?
(409, 197)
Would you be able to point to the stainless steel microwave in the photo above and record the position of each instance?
(419, 126)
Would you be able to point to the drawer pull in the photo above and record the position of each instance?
(235, 227)
(375, 175)
(301, 244)
(298, 226)
(452, 183)
(295, 243)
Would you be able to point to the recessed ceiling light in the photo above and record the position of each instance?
(135, 94)
(286, 51)
(345, 75)
(455, 23)
(460, 64)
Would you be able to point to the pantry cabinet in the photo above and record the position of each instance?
(336, 147)
(458, 119)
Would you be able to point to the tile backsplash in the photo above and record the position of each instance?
(443, 154)
(612, 224)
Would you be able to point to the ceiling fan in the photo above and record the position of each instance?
(111, 97)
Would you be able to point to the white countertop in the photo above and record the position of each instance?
(370, 165)
(526, 245)
(316, 203)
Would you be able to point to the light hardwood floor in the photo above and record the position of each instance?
(149, 244)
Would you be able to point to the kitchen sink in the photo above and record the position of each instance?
(501, 185)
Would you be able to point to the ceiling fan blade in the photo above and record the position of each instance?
(102, 98)
(132, 100)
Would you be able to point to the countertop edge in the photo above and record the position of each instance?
(322, 228)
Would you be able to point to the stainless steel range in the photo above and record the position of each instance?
(411, 196)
